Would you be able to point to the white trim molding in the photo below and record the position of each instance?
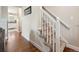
(36, 45)
(72, 47)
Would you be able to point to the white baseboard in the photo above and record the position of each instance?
(27, 38)
(72, 47)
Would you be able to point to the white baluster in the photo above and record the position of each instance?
(58, 36)
(47, 31)
(50, 32)
(53, 36)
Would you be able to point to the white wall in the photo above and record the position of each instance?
(30, 21)
(3, 18)
(69, 15)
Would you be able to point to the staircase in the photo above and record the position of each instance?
(51, 31)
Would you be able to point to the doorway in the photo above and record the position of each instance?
(14, 17)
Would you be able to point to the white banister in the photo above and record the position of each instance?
(50, 27)
(55, 17)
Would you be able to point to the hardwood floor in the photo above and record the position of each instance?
(16, 43)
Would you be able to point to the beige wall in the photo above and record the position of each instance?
(69, 15)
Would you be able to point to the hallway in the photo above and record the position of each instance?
(16, 43)
(50, 31)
